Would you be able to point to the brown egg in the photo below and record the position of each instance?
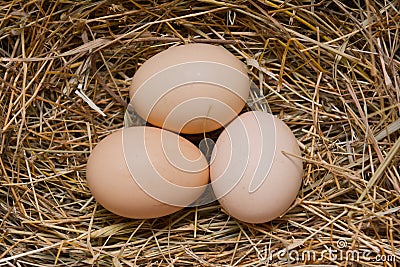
(192, 88)
(252, 177)
(146, 172)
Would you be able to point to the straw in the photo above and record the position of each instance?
(329, 69)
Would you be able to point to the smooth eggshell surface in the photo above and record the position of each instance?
(252, 177)
(146, 172)
(190, 88)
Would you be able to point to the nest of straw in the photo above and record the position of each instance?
(329, 69)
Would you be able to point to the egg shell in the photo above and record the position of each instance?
(190, 88)
(252, 177)
(115, 164)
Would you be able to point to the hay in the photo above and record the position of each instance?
(330, 70)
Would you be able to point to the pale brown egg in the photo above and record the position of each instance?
(253, 173)
(190, 88)
(145, 172)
